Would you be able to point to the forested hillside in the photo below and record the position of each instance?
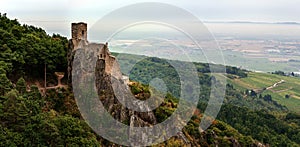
(251, 113)
(29, 119)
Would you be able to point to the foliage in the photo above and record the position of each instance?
(23, 123)
(218, 134)
(281, 73)
(140, 91)
(26, 49)
(5, 84)
(27, 118)
(236, 71)
(260, 125)
(21, 85)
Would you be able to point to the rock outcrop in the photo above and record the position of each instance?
(104, 84)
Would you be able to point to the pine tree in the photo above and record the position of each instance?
(21, 86)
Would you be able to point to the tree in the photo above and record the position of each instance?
(5, 84)
(15, 111)
(292, 74)
(268, 98)
(21, 86)
(281, 73)
(253, 93)
(287, 96)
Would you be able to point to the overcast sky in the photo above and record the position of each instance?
(56, 15)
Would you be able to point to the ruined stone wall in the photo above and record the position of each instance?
(112, 66)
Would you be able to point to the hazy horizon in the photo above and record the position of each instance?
(254, 32)
(55, 16)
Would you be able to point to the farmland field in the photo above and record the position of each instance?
(286, 92)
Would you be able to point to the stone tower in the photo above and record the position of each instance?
(79, 34)
(79, 31)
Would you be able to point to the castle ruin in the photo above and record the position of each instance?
(79, 41)
(112, 88)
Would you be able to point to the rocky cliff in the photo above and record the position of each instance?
(104, 84)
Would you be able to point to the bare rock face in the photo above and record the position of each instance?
(104, 85)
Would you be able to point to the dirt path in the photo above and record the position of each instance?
(42, 88)
(58, 86)
(275, 85)
(271, 88)
(37, 83)
(279, 91)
